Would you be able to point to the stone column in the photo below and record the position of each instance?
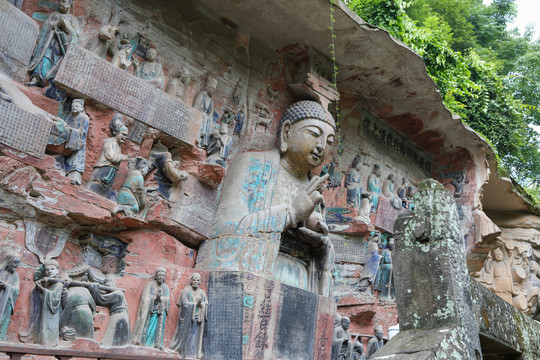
(433, 292)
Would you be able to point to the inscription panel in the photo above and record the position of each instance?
(225, 316)
(297, 324)
(349, 250)
(22, 130)
(19, 33)
(86, 74)
(386, 215)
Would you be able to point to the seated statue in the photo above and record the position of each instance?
(389, 191)
(151, 70)
(267, 210)
(219, 147)
(9, 289)
(132, 195)
(341, 340)
(375, 343)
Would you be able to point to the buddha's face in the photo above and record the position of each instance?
(160, 277)
(306, 143)
(76, 107)
(151, 55)
(195, 281)
(498, 255)
(51, 271)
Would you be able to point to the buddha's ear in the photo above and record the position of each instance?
(284, 136)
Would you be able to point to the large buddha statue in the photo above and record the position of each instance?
(268, 206)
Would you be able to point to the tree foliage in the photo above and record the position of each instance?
(488, 75)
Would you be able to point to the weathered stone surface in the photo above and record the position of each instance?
(22, 130)
(435, 295)
(89, 75)
(386, 215)
(19, 34)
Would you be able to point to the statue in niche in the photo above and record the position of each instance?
(358, 351)
(227, 116)
(459, 182)
(237, 91)
(203, 102)
(178, 84)
(45, 307)
(389, 191)
(497, 274)
(335, 176)
(132, 195)
(341, 340)
(239, 121)
(371, 266)
(9, 289)
(109, 160)
(220, 146)
(384, 281)
(264, 118)
(375, 343)
(188, 336)
(152, 314)
(72, 133)
(268, 196)
(353, 183)
(122, 58)
(105, 41)
(374, 187)
(59, 31)
(151, 70)
(167, 174)
(404, 193)
(365, 209)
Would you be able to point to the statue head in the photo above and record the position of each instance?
(184, 74)
(211, 85)
(224, 129)
(345, 322)
(306, 134)
(357, 162)
(391, 244)
(160, 275)
(51, 268)
(10, 262)
(498, 254)
(195, 280)
(77, 106)
(110, 264)
(378, 332)
(139, 163)
(377, 169)
(116, 123)
(65, 5)
(151, 54)
(404, 182)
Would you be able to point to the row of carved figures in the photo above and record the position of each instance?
(64, 305)
(344, 347)
(61, 29)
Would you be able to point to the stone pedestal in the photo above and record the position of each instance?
(252, 317)
(434, 300)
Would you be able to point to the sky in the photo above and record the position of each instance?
(528, 12)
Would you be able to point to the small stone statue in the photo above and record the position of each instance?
(369, 271)
(402, 192)
(374, 186)
(219, 146)
(358, 351)
(497, 274)
(374, 344)
(132, 195)
(239, 121)
(122, 59)
(227, 116)
(72, 133)
(237, 92)
(9, 289)
(458, 181)
(178, 85)
(341, 340)
(203, 102)
(365, 209)
(389, 191)
(353, 183)
(59, 31)
(384, 281)
(45, 307)
(153, 309)
(104, 43)
(167, 174)
(151, 70)
(188, 337)
(109, 160)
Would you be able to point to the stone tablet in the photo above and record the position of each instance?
(86, 74)
(22, 130)
(295, 338)
(386, 215)
(349, 250)
(19, 34)
(137, 130)
(225, 316)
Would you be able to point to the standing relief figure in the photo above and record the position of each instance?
(9, 289)
(178, 85)
(152, 314)
(132, 195)
(374, 187)
(188, 337)
(59, 31)
(204, 103)
(353, 183)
